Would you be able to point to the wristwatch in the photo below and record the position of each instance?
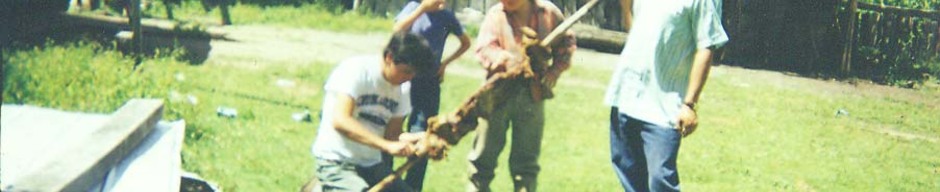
(691, 105)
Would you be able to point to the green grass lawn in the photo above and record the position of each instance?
(754, 136)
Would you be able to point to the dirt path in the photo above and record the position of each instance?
(746, 77)
(258, 46)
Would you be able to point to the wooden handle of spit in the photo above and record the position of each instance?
(422, 153)
(564, 26)
(388, 180)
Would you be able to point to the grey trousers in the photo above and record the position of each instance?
(337, 176)
(527, 119)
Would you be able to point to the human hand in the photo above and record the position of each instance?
(541, 53)
(411, 137)
(436, 147)
(688, 121)
(550, 78)
(431, 5)
(399, 148)
(504, 60)
(440, 72)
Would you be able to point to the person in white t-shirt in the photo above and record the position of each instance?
(656, 84)
(364, 107)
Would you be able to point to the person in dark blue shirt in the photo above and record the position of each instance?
(429, 19)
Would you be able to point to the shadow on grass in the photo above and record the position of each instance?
(29, 29)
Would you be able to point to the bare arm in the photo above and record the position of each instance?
(701, 64)
(492, 51)
(626, 9)
(464, 45)
(562, 51)
(395, 131)
(405, 23)
(563, 48)
(346, 124)
(394, 128)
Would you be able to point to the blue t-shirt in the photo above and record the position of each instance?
(433, 26)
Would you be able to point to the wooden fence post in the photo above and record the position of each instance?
(936, 34)
(849, 38)
(134, 17)
(169, 9)
(226, 17)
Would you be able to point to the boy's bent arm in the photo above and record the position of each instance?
(405, 24)
(562, 50)
(394, 128)
(346, 125)
(464, 46)
(491, 53)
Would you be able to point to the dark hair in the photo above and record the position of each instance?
(410, 49)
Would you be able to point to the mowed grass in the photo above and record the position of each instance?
(760, 136)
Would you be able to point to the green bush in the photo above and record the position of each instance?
(897, 56)
(916, 4)
(82, 76)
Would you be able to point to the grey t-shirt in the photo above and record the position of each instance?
(376, 100)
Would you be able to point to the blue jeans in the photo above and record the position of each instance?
(643, 154)
(425, 103)
(345, 177)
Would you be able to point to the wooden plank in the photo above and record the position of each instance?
(84, 166)
(609, 41)
(33, 136)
